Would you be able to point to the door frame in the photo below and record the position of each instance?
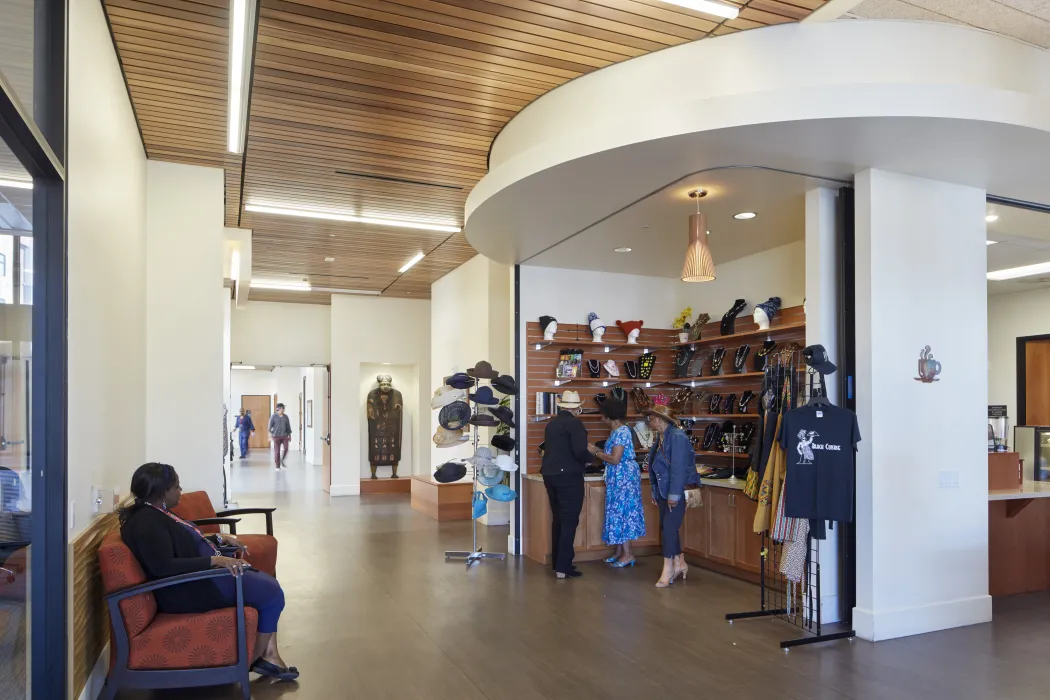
(1022, 375)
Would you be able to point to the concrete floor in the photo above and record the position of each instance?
(375, 612)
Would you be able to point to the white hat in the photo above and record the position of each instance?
(506, 463)
(444, 395)
(570, 399)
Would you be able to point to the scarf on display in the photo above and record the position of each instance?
(186, 523)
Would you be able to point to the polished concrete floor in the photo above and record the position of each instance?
(375, 612)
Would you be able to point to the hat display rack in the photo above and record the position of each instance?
(480, 391)
(736, 387)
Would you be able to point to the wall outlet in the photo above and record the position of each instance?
(948, 479)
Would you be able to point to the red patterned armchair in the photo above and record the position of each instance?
(156, 650)
(196, 506)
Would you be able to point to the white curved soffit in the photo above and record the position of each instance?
(829, 99)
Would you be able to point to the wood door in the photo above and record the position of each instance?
(302, 418)
(721, 543)
(326, 448)
(696, 526)
(1037, 379)
(595, 504)
(260, 408)
(748, 544)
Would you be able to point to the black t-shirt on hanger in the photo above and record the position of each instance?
(820, 442)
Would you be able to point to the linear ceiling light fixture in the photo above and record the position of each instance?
(242, 20)
(284, 286)
(415, 258)
(242, 366)
(712, 8)
(19, 184)
(1012, 273)
(332, 216)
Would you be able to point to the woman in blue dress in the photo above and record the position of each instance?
(624, 519)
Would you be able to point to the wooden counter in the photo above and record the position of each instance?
(442, 501)
(717, 535)
(1019, 539)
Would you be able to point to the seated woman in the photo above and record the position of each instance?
(166, 545)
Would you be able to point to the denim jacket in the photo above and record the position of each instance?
(672, 465)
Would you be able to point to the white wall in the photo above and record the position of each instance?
(231, 411)
(1011, 316)
(406, 380)
(922, 547)
(372, 330)
(778, 272)
(107, 276)
(271, 333)
(184, 321)
(316, 392)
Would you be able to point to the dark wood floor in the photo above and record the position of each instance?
(375, 612)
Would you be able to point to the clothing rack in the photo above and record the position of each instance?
(475, 554)
(795, 603)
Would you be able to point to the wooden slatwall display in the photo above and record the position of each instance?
(90, 619)
(542, 360)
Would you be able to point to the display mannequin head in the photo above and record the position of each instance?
(632, 337)
(632, 329)
(386, 382)
(549, 326)
(766, 312)
(761, 319)
(597, 327)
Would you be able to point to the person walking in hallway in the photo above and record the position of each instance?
(245, 428)
(564, 457)
(281, 434)
(672, 467)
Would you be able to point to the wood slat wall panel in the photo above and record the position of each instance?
(384, 90)
(90, 618)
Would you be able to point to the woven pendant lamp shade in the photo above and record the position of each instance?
(699, 265)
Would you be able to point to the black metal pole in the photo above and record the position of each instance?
(517, 410)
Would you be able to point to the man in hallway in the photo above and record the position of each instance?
(564, 457)
(281, 434)
(244, 428)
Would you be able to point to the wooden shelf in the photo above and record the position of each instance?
(738, 336)
(610, 381)
(693, 382)
(710, 453)
(569, 342)
(720, 416)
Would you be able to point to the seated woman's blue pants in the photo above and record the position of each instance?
(261, 591)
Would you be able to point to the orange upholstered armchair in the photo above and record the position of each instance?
(156, 650)
(197, 507)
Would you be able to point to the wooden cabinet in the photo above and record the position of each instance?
(652, 519)
(748, 554)
(594, 509)
(722, 519)
(695, 526)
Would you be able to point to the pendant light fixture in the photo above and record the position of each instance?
(699, 265)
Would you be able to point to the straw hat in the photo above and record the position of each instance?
(569, 399)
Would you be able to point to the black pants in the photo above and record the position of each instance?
(670, 524)
(565, 492)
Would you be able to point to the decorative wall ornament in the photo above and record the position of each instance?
(929, 368)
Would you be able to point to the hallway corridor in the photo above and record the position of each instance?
(375, 612)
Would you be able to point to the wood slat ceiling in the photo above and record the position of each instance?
(378, 108)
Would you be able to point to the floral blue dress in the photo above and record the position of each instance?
(624, 519)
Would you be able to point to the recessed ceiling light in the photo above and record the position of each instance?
(415, 258)
(745, 215)
(622, 249)
(283, 286)
(242, 366)
(1015, 272)
(991, 218)
(991, 242)
(329, 259)
(711, 8)
(20, 184)
(334, 216)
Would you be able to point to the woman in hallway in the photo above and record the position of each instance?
(672, 467)
(624, 519)
(245, 428)
(166, 545)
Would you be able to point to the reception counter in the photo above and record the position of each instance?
(717, 535)
(1018, 528)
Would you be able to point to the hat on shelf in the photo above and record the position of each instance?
(484, 396)
(449, 438)
(546, 321)
(444, 395)
(483, 370)
(499, 492)
(504, 442)
(504, 413)
(484, 420)
(663, 411)
(460, 380)
(771, 306)
(450, 472)
(506, 463)
(490, 476)
(817, 358)
(629, 327)
(480, 506)
(595, 322)
(569, 399)
(455, 415)
(482, 457)
(505, 384)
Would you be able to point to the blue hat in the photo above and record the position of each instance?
(460, 380)
(455, 415)
(480, 506)
(771, 306)
(485, 396)
(500, 492)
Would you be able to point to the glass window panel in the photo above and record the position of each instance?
(15, 480)
(16, 49)
(25, 269)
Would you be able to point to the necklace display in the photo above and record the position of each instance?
(714, 403)
(741, 357)
(594, 367)
(745, 400)
(682, 361)
(648, 361)
(728, 324)
(729, 404)
(716, 360)
(762, 356)
(632, 369)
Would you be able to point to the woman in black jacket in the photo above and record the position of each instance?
(166, 545)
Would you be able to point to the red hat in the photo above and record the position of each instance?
(629, 327)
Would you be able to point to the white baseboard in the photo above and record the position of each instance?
(96, 678)
(905, 622)
(345, 489)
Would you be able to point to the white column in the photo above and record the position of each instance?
(922, 478)
(822, 329)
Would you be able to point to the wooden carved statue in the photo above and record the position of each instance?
(385, 411)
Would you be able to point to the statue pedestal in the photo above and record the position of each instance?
(401, 484)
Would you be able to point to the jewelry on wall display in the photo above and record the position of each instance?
(646, 364)
(631, 367)
(641, 400)
(740, 359)
(716, 360)
(683, 358)
(698, 325)
(594, 368)
(729, 403)
(714, 403)
(729, 319)
(611, 368)
(745, 399)
(762, 356)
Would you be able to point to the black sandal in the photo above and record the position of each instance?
(272, 670)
